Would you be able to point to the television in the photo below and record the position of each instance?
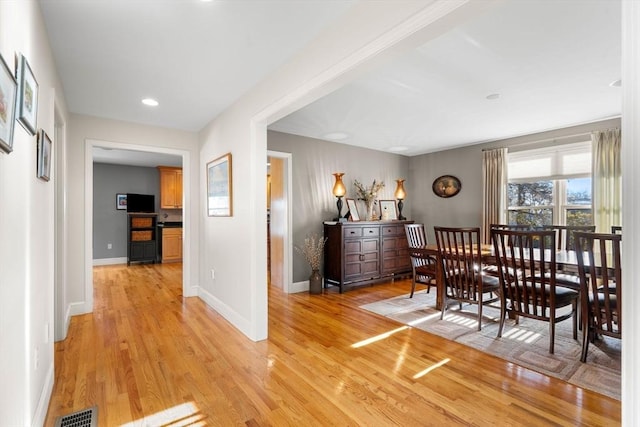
(141, 203)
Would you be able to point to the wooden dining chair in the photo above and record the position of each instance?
(565, 234)
(616, 229)
(423, 266)
(600, 287)
(527, 269)
(464, 278)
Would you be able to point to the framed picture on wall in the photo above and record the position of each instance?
(44, 156)
(219, 187)
(8, 95)
(121, 201)
(28, 96)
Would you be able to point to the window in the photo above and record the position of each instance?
(550, 186)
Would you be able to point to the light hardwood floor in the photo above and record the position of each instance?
(148, 354)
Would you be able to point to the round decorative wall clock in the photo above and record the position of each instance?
(446, 186)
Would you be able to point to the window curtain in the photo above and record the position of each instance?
(607, 179)
(494, 183)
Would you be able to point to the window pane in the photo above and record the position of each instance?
(579, 191)
(530, 194)
(579, 217)
(533, 217)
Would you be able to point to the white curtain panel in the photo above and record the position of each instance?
(494, 182)
(607, 179)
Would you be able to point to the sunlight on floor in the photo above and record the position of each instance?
(378, 337)
(521, 335)
(461, 320)
(186, 414)
(431, 368)
(423, 319)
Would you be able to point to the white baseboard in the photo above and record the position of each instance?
(299, 287)
(45, 396)
(76, 308)
(239, 322)
(109, 261)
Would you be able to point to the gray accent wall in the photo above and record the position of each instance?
(465, 209)
(110, 224)
(313, 163)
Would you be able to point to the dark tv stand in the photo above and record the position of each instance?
(141, 237)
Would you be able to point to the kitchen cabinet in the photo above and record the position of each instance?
(171, 244)
(170, 187)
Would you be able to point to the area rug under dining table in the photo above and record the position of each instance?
(525, 344)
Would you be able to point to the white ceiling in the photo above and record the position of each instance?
(550, 61)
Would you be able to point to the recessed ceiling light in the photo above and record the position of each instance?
(398, 149)
(616, 83)
(336, 136)
(493, 96)
(150, 102)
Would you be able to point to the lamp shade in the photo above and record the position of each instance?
(400, 193)
(339, 189)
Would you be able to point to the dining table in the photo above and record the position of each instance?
(566, 263)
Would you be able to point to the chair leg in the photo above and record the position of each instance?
(552, 335)
(413, 286)
(503, 315)
(585, 342)
(444, 308)
(480, 315)
(575, 320)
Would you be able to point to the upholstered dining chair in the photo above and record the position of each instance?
(526, 263)
(600, 287)
(464, 278)
(423, 266)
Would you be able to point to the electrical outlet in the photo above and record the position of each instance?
(109, 246)
(213, 274)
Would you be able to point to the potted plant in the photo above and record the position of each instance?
(312, 252)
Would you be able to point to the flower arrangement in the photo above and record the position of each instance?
(368, 194)
(312, 250)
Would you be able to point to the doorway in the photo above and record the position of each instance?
(184, 155)
(279, 220)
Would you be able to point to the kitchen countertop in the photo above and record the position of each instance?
(170, 224)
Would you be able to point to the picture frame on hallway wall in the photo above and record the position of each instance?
(220, 186)
(8, 95)
(28, 96)
(44, 156)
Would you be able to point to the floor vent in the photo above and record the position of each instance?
(84, 418)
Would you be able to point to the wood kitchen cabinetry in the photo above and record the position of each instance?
(171, 244)
(170, 187)
(358, 253)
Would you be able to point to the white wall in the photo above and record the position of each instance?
(85, 131)
(369, 33)
(27, 232)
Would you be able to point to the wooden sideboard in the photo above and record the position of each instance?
(363, 252)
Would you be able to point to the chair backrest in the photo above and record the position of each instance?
(416, 236)
(521, 227)
(601, 281)
(616, 229)
(526, 263)
(565, 234)
(460, 251)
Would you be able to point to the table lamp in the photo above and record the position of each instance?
(400, 195)
(339, 190)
